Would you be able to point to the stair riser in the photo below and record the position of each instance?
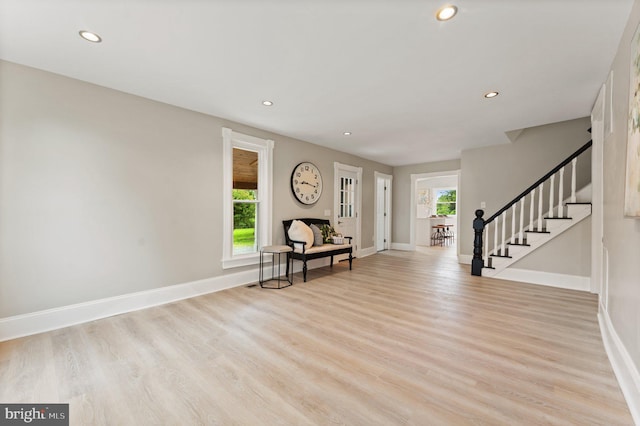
(575, 210)
(555, 224)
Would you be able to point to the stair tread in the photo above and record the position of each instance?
(555, 218)
(518, 244)
(499, 255)
(539, 232)
(577, 204)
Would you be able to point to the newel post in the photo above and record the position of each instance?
(478, 226)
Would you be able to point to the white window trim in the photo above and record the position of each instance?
(435, 200)
(264, 148)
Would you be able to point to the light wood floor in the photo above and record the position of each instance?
(404, 338)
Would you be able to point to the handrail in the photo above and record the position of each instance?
(582, 149)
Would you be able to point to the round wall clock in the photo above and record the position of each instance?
(306, 183)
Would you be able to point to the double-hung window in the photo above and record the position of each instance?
(446, 202)
(247, 194)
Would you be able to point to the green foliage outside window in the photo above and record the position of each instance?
(244, 221)
(446, 202)
(244, 214)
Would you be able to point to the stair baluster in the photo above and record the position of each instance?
(533, 203)
(551, 189)
(495, 237)
(561, 194)
(504, 225)
(574, 163)
(486, 247)
(513, 224)
(521, 234)
(541, 191)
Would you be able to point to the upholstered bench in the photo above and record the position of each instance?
(305, 249)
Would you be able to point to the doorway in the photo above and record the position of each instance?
(434, 218)
(383, 211)
(347, 203)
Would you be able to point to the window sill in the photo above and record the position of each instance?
(238, 261)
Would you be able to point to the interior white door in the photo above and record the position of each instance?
(383, 214)
(346, 221)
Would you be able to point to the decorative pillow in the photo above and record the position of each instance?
(318, 239)
(327, 233)
(299, 231)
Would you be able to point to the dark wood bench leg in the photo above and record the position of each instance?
(350, 260)
(288, 259)
(304, 270)
(331, 264)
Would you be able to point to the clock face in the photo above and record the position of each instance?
(306, 183)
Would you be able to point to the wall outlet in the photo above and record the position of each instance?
(327, 213)
(483, 205)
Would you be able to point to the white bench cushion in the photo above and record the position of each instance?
(322, 248)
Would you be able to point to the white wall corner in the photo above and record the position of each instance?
(623, 366)
(570, 282)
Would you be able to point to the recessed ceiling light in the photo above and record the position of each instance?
(347, 133)
(89, 36)
(267, 103)
(490, 95)
(446, 12)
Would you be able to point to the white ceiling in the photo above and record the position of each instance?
(408, 87)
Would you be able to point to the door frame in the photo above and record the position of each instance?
(388, 179)
(337, 167)
(414, 205)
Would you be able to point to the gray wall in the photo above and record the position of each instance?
(401, 228)
(622, 235)
(497, 174)
(103, 193)
(569, 253)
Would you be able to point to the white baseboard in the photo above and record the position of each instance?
(401, 246)
(65, 316)
(571, 282)
(623, 366)
(465, 259)
(367, 252)
(51, 319)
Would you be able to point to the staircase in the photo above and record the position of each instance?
(548, 214)
(535, 238)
